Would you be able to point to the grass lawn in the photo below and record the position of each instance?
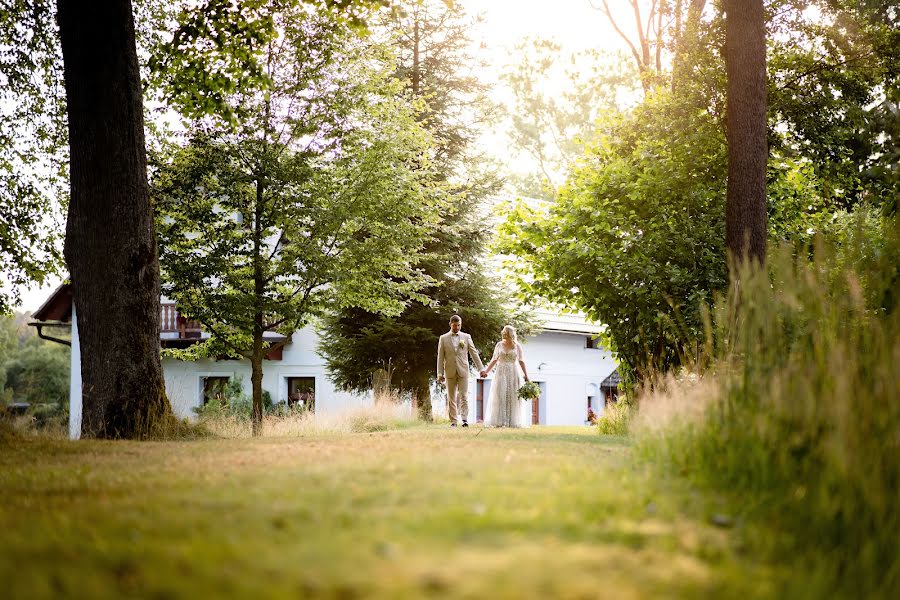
(428, 511)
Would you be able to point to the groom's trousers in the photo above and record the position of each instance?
(458, 397)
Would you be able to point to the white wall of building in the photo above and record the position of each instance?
(184, 380)
(568, 371)
(571, 372)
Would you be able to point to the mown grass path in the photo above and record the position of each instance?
(546, 512)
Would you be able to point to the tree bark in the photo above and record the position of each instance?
(259, 290)
(110, 246)
(422, 394)
(745, 64)
(256, 377)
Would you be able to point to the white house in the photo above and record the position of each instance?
(563, 358)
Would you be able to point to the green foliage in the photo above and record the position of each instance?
(554, 129)
(219, 46)
(804, 425)
(39, 373)
(232, 401)
(317, 201)
(636, 237)
(33, 147)
(451, 105)
(615, 419)
(833, 95)
(31, 369)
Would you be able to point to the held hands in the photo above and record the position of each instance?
(483, 373)
(440, 379)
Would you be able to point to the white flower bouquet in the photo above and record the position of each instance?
(530, 391)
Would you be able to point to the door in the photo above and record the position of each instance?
(479, 401)
(536, 403)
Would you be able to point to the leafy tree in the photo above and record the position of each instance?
(33, 152)
(39, 374)
(635, 238)
(834, 94)
(831, 81)
(317, 199)
(553, 128)
(31, 369)
(435, 67)
(126, 397)
(655, 28)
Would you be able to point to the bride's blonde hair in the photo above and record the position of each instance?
(508, 332)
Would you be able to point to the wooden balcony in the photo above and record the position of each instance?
(173, 321)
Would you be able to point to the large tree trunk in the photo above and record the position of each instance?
(256, 377)
(110, 245)
(745, 63)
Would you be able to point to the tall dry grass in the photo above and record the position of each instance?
(798, 419)
(383, 415)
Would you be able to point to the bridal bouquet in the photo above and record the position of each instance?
(530, 391)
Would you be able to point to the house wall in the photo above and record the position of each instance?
(184, 380)
(568, 373)
(571, 373)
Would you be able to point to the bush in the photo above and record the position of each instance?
(233, 402)
(54, 415)
(803, 422)
(615, 419)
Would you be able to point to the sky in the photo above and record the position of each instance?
(574, 24)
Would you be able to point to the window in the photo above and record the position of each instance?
(592, 342)
(302, 392)
(214, 388)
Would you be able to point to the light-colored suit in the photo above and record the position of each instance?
(453, 364)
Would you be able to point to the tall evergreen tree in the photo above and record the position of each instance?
(437, 64)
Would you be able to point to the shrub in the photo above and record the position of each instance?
(615, 419)
(803, 418)
(232, 402)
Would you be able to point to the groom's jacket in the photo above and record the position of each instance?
(453, 355)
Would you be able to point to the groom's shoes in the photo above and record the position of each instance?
(452, 424)
(465, 424)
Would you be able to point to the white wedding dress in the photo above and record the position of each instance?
(504, 405)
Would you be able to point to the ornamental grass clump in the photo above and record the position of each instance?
(801, 420)
(615, 419)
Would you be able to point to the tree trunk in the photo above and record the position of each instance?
(422, 394)
(745, 63)
(256, 377)
(110, 244)
(259, 290)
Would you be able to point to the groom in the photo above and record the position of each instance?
(453, 366)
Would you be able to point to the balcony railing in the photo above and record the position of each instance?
(173, 321)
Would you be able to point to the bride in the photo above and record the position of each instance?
(504, 405)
